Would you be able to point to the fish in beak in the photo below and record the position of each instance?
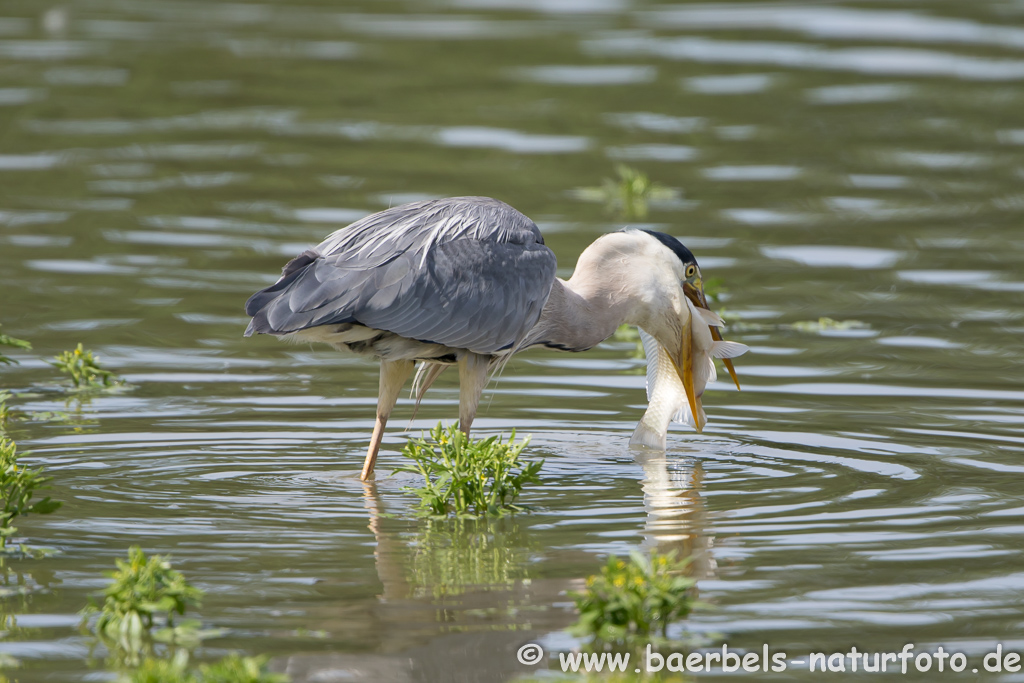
(695, 294)
(683, 362)
(678, 371)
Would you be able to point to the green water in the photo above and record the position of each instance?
(160, 161)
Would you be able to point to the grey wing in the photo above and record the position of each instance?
(468, 273)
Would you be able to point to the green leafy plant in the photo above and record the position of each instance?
(628, 194)
(631, 600)
(9, 415)
(630, 191)
(237, 669)
(714, 288)
(469, 478)
(84, 369)
(6, 340)
(630, 334)
(232, 669)
(144, 592)
(5, 411)
(826, 324)
(159, 670)
(818, 326)
(17, 487)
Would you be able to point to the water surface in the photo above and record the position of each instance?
(160, 161)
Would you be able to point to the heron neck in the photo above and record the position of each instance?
(578, 316)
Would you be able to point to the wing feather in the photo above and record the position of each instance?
(468, 272)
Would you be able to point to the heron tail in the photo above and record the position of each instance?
(426, 373)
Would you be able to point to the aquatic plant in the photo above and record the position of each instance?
(143, 593)
(826, 324)
(17, 487)
(818, 326)
(232, 669)
(630, 334)
(84, 369)
(6, 340)
(631, 600)
(630, 191)
(714, 288)
(5, 411)
(466, 477)
(628, 194)
(237, 669)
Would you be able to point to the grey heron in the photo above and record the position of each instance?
(468, 281)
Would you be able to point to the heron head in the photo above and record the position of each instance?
(673, 282)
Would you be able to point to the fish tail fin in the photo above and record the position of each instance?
(728, 349)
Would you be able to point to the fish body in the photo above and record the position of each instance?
(667, 401)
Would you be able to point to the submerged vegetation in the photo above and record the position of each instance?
(84, 369)
(232, 669)
(827, 324)
(6, 340)
(633, 600)
(87, 375)
(144, 592)
(629, 334)
(714, 288)
(819, 326)
(5, 410)
(627, 195)
(18, 485)
(469, 478)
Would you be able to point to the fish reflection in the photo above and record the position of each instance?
(676, 514)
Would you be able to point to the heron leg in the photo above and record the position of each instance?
(392, 377)
(472, 380)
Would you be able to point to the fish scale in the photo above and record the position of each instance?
(667, 401)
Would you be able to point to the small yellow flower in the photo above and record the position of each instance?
(619, 582)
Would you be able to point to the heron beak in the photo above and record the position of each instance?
(696, 295)
(683, 363)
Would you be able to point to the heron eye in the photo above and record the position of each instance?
(690, 271)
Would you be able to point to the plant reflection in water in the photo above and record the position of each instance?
(474, 577)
